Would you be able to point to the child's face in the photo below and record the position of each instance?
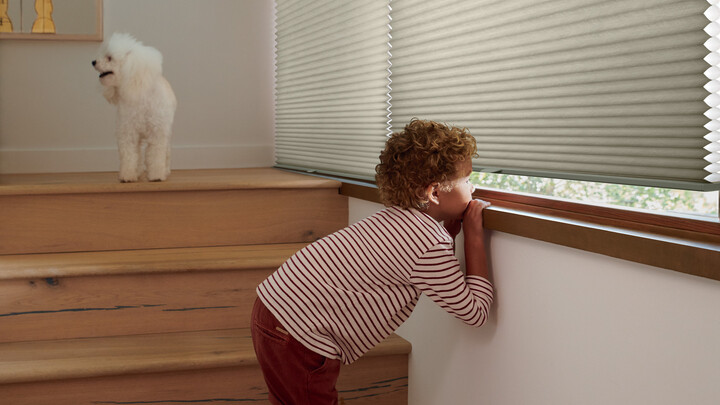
(452, 204)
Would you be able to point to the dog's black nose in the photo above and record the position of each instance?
(93, 62)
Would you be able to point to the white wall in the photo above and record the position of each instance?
(569, 327)
(218, 56)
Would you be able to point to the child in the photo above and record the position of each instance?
(340, 296)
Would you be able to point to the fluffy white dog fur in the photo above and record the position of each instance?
(131, 74)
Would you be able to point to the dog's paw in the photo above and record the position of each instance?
(156, 175)
(128, 179)
(128, 173)
(157, 178)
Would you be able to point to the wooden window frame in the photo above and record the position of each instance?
(678, 243)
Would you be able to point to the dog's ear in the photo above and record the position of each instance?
(140, 66)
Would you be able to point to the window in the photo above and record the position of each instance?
(701, 204)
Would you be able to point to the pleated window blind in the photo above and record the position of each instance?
(331, 113)
(599, 90)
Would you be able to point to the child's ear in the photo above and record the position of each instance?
(431, 192)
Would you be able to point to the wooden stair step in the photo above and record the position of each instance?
(134, 354)
(56, 213)
(79, 371)
(46, 265)
(92, 294)
(84, 358)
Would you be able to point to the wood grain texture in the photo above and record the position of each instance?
(198, 367)
(371, 381)
(55, 265)
(90, 306)
(231, 385)
(78, 358)
(150, 220)
(363, 192)
(695, 258)
(179, 180)
(90, 294)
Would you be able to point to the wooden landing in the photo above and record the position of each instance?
(179, 180)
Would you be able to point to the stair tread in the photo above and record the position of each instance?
(45, 265)
(179, 180)
(83, 358)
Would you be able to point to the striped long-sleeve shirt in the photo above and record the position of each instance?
(343, 294)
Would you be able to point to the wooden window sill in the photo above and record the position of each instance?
(681, 244)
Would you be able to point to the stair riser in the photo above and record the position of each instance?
(93, 306)
(369, 381)
(147, 220)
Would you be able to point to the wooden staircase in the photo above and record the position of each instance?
(141, 293)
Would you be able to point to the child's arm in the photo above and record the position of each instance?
(475, 255)
(438, 273)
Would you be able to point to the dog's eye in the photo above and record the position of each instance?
(109, 58)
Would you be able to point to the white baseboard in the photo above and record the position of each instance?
(106, 159)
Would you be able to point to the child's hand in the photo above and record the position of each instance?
(473, 218)
(475, 254)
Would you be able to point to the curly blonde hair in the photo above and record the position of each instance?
(423, 153)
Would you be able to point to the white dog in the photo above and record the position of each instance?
(131, 74)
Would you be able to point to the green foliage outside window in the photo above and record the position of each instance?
(638, 197)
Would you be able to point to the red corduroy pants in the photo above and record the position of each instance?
(294, 374)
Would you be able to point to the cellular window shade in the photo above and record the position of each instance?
(598, 90)
(331, 106)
